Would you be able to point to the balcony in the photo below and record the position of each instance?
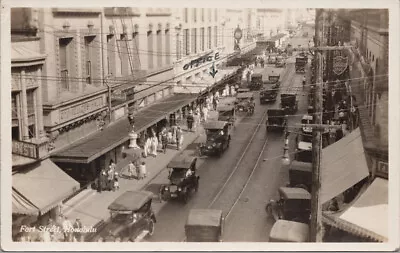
(122, 11)
(158, 12)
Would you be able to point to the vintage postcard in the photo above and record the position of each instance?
(200, 125)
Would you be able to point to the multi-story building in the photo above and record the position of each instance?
(270, 22)
(38, 185)
(205, 38)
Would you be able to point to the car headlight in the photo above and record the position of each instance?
(214, 145)
(179, 189)
(166, 188)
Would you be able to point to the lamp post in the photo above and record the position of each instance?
(286, 157)
(132, 135)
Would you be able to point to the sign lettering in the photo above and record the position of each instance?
(340, 64)
(24, 149)
(201, 60)
(81, 109)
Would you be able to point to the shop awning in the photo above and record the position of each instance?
(343, 165)
(24, 56)
(40, 188)
(92, 147)
(372, 203)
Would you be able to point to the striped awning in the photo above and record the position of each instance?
(39, 189)
(357, 218)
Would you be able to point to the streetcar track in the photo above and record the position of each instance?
(251, 141)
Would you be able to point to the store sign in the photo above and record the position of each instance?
(81, 109)
(25, 149)
(340, 64)
(201, 60)
(118, 95)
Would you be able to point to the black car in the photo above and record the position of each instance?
(289, 102)
(131, 218)
(277, 120)
(182, 177)
(218, 137)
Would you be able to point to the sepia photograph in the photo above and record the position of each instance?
(265, 125)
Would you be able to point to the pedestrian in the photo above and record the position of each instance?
(215, 103)
(179, 138)
(205, 113)
(154, 145)
(164, 139)
(339, 134)
(102, 180)
(146, 146)
(196, 119)
(110, 178)
(67, 229)
(131, 169)
(190, 120)
(116, 183)
(77, 233)
(143, 170)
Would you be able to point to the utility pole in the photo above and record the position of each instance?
(316, 207)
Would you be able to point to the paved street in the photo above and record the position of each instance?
(222, 179)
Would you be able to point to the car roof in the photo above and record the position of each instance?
(275, 112)
(214, 124)
(183, 160)
(294, 193)
(303, 166)
(204, 217)
(225, 108)
(307, 116)
(291, 231)
(130, 201)
(245, 95)
(257, 75)
(304, 145)
(288, 93)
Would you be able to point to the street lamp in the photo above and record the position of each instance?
(286, 158)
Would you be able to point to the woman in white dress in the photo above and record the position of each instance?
(154, 145)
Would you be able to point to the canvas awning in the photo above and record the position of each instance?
(24, 56)
(343, 165)
(42, 187)
(372, 203)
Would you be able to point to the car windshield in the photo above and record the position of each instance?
(177, 173)
(212, 134)
(122, 216)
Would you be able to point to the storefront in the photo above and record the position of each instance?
(86, 158)
(38, 191)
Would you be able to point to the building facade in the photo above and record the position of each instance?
(271, 22)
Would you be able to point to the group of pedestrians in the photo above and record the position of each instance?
(138, 171)
(108, 179)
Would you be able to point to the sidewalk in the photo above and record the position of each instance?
(91, 208)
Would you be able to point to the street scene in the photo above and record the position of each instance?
(199, 125)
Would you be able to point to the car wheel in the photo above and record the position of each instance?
(151, 227)
(161, 193)
(229, 141)
(196, 188)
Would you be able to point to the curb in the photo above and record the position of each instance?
(75, 204)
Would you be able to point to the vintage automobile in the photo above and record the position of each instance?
(242, 90)
(306, 119)
(294, 204)
(204, 225)
(303, 147)
(182, 177)
(300, 175)
(289, 102)
(227, 113)
(300, 64)
(289, 231)
(218, 138)
(268, 95)
(245, 103)
(131, 217)
(277, 120)
(256, 81)
(280, 62)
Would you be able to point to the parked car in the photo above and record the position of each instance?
(182, 178)
(131, 217)
(204, 225)
(289, 231)
(227, 113)
(300, 175)
(294, 204)
(245, 103)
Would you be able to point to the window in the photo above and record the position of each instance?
(88, 58)
(150, 50)
(168, 46)
(215, 15)
(178, 47)
(110, 53)
(202, 14)
(14, 107)
(135, 50)
(194, 15)
(202, 39)
(186, 41)
(209, 15)
(194, 40)
(64, 44)
(209, 37)
(185, 14)
(215, 36)
(159, 48)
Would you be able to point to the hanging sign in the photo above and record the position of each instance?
(201, 60)
(340, 64)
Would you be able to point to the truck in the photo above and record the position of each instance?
(301, 62)
(276, 120)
